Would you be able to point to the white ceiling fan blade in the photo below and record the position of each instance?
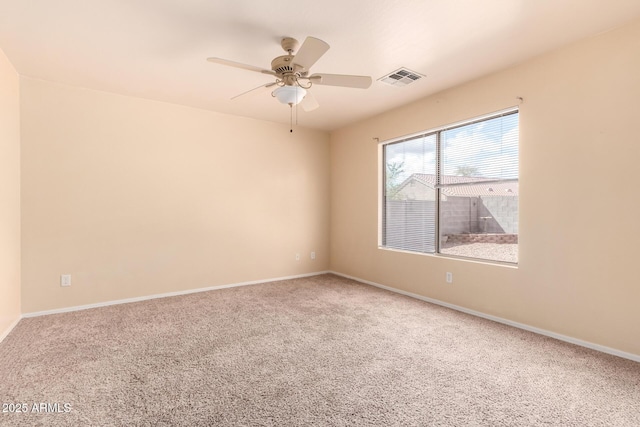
(309, 102)
(255, 89)
(310, 51)
(360, 82)
(240, 65)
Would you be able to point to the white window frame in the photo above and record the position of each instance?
(381, 185)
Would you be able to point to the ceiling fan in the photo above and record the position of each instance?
(291, 72)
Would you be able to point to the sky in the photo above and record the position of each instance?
(490, 146)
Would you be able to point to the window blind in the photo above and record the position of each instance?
(456, 180)
(410, 195)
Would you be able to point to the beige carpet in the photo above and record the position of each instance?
(316, 351)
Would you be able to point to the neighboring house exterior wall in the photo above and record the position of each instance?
(416, 191)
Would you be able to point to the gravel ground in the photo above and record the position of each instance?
(507, 252)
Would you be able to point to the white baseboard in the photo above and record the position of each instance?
(3, 334)
(165, 295)
(529, 328)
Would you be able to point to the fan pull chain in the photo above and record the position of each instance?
(291, 118)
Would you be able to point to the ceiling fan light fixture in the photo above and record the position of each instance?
(290, 95)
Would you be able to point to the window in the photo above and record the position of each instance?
(459, 183)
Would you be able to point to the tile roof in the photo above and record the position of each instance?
(475, 187)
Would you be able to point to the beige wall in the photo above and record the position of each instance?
(579, 195)
(9, 195)
(135, 197)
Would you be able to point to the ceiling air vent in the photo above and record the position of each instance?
(401, 77)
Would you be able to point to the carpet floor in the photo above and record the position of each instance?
(322, 350)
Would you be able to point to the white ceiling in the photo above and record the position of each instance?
(156, 49)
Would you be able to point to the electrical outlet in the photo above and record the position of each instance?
(449, 277)
(313, 255)
(65, 280)
(297, 257)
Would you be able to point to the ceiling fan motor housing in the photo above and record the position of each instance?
(284, 64)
